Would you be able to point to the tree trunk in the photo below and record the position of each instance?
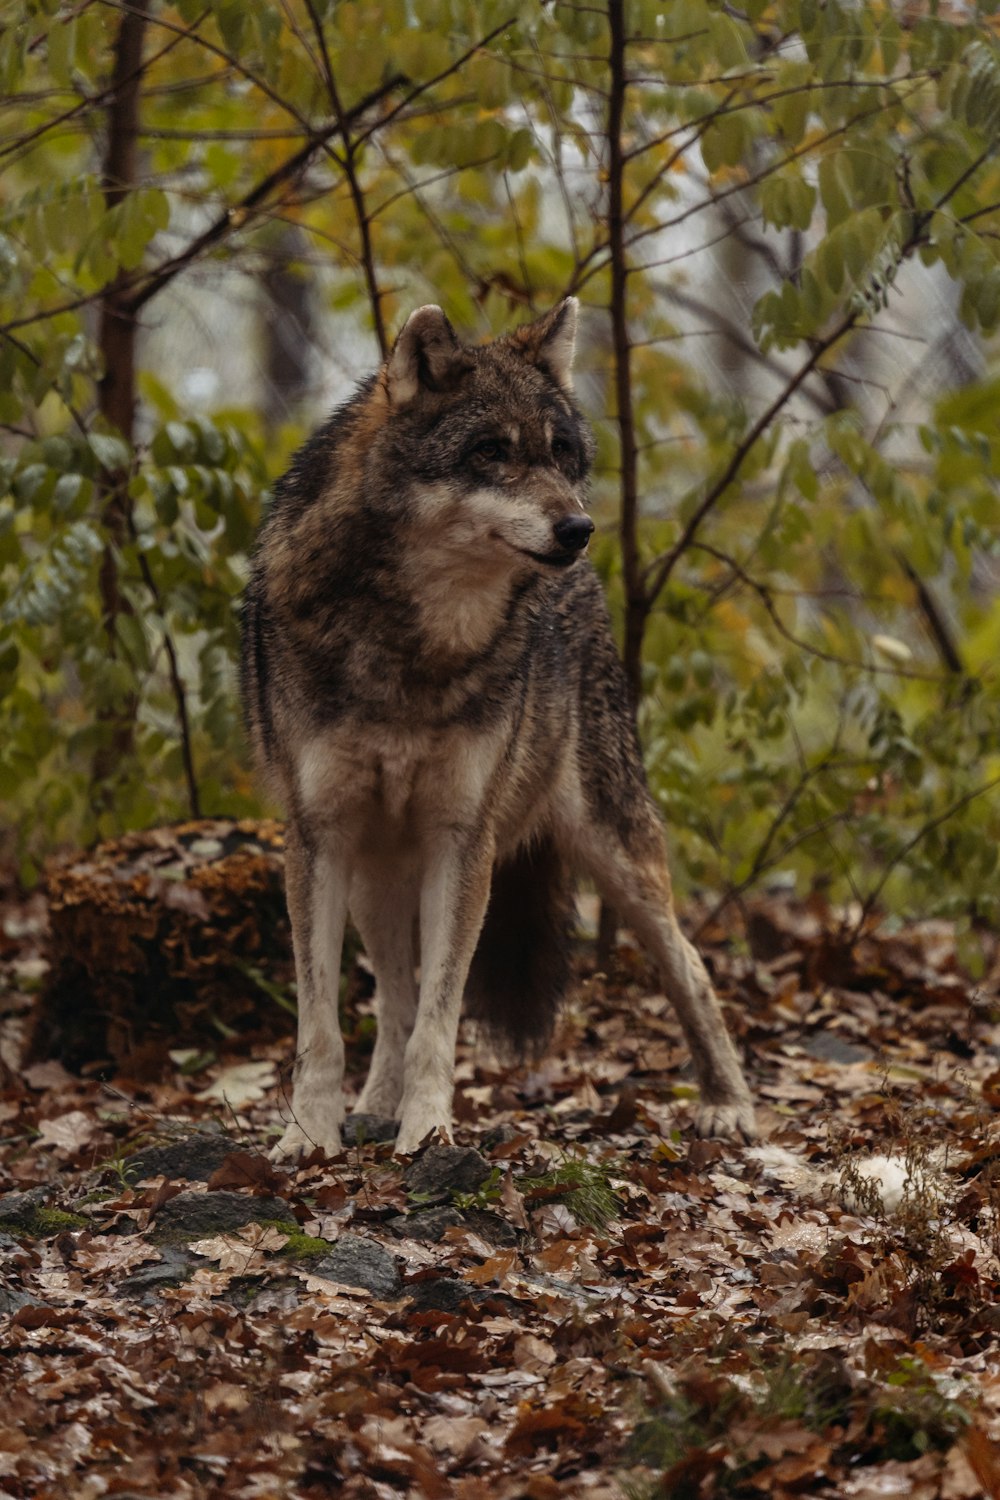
(116, 389)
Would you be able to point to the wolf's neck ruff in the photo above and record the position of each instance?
(432, 686)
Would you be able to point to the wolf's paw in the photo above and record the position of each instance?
(418, 1121)
(728, 1119)
(296, 1143)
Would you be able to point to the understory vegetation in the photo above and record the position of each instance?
(782, 223)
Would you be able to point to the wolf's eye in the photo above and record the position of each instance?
(562, 451)
(489, 451)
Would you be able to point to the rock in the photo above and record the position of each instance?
(173, 1269)
(11, 1301)
(426, 1224)
(195, 1158)
(432, 1224)
(276, 1297)
(195, 1216)
(356, 1261)
(444, 1294)
(17, 1208)
(492, 1228)
(447, 1169)
(500, 1136)
(365, 1130)
(27, 1213)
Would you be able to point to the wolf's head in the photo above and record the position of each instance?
(492, 441)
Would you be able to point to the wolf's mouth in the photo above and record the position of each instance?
(560, 559)
(563, 557)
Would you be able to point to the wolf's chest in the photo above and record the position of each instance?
(392, 786)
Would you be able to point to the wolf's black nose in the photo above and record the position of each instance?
(573, 532)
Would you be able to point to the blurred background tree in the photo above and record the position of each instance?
(782, 220)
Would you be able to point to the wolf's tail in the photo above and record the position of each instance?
(521, 968)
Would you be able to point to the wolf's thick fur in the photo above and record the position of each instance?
(431, 683)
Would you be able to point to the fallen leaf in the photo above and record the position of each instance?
(68, 1132)
(241, 1084)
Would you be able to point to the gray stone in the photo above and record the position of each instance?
(19, 1209)
(356, 1261)
(364, 1130)
(172, 1269)
(444, 1294)
(425, 1224)
(194, 1216)
(433, 1223)
(447, 1169)
(195, 1158)
(12, 1300)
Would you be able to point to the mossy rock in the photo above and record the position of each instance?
(26, 1214)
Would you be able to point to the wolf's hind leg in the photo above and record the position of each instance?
(385, 911)
(316, 889)
(631, 872)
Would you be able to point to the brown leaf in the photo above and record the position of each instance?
(984, 1458)
(69, 1132)
(546, 1427)
(623, 1116)
(513, 1202)
(494, 1269)
(249, 1169)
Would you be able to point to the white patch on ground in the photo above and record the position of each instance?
(894, 1177)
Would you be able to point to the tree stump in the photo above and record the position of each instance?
(174, 937)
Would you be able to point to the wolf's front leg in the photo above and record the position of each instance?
(453, 903)
(384, 908)
(316, 889)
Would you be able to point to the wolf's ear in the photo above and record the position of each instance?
(426, 356)
(551, 340)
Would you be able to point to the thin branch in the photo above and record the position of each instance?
(935, 620)
(350, 170)
(92, 101)
(949, 812)
(238, 214)
(176, 681)
(728, 330)
(764, 860)
(766, 597)
(659, 571)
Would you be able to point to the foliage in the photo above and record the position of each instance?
(692, 1431)
(782, 223)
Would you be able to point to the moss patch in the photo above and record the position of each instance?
(302, 1246)
(44, 1223)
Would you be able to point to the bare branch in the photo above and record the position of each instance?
(867, 906)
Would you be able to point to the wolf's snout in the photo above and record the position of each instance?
(573, 532)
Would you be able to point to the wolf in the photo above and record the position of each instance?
(432, 688)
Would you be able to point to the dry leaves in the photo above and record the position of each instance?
(619, 1305)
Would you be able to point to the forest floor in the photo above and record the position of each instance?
(580, 1299)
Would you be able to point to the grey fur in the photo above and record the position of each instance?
(431, 685)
